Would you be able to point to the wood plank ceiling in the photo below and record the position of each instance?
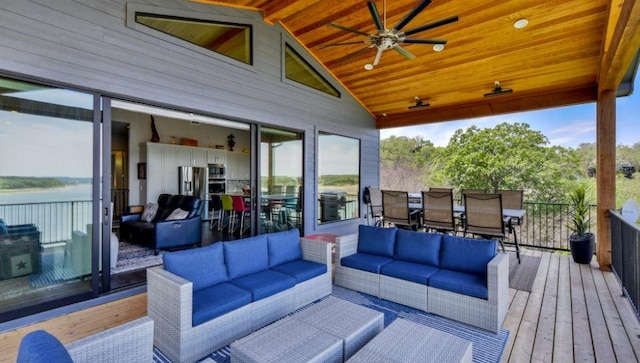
(553, 61)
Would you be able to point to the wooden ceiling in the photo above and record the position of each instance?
(569, 52)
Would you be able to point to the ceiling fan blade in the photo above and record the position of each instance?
(378, 55)
(345, 43)
(404, 52)
(347, 29)
(375, 15)
(353, 54)
(424, 41)
(435, 24)
(412, 14)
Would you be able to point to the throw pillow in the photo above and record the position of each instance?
(177, 214)
(40, 346)
(149, 212)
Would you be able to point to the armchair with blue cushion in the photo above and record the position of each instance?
(20, 251)
(161, 233)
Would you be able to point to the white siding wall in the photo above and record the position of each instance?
(87, 44)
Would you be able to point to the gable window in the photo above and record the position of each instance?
(298, 70)
(231, 40)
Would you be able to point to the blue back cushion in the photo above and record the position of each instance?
(418, 247)
(203, 266)
(3, 228)
(284, 247)
(466, 254)
(376, 240)
(246, 256)
(42, 347)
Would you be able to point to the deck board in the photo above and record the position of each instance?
(563, 337)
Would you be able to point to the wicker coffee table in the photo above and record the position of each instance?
(288, 340)
(406, 341)
(352, 323)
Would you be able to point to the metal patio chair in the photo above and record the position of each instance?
(395, 209)
(437, 211)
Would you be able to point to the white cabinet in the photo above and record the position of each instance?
(162, 170)
(216, 156)
(192, 156)
(238, 166)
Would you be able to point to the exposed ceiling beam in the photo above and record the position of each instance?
(508, 104)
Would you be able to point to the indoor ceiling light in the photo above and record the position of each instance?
(520, 23)
(438, 47)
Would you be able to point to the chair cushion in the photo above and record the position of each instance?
(216, 300)
(366, 262)
(177, 214)
(4, 230)
(466, 254)
(264, 283)
(246, 256)
(418, 247)
(460, 282)
(414, 272)
(284, 247)
(42, 347)
(301, 270)
(204, 267)
(149, 212)
(376, 240)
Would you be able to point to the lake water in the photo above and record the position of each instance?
(66, 194)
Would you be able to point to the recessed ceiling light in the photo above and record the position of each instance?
(438, 47)
(384, 114)
(520, 23)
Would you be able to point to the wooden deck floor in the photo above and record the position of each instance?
(575, 313)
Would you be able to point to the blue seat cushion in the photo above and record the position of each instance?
(366, 262)
(414, 272)
(217, 300)
(284, 247)
(466, 254)
(264, 283)
(460, 282)
(42, 347)
(418, 247)
(204, 266)
(246, 256)
(376, 240)
(4, 230)
(301, 270)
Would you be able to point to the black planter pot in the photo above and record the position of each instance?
(582, 248)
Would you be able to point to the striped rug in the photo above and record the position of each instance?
(487, 347)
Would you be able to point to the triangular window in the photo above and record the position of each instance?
(298, 70)
(231, 40)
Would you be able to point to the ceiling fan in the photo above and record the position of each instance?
(392, 38)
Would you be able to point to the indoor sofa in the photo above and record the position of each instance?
(459, 278)
(205, 298)
(160, 232)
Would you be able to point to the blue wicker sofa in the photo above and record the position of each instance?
(205, 298)
(459, 278)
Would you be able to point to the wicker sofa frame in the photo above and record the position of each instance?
(170, 300)
(486, 314)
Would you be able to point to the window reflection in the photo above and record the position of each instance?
(338, 177)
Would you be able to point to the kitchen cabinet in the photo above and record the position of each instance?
(162, 170)
(192, 156)
(238, 166)
(215, 156)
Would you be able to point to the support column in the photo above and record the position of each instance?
(606, 174)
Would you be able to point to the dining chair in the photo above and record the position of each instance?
(239, 209)
(216, 210)
(438, 189)
(227, 210)
(484, 218)
(437, 211)
(395, 209)
(512, 199)
(375, 205)
(470, 191)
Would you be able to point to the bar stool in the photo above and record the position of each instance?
(239, 208)
(227, 209)
(216, 210)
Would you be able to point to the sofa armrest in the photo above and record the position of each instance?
(169, 300)
(316, 251)
(130, 217)
(129, 342)
(498, 277)
(346, 245)
(178, 232)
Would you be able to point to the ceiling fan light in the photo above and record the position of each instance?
(520, 23)
(438, 47)
(368, 66)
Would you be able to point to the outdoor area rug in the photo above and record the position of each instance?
(133, 257)
(487, 347)
(521, 276)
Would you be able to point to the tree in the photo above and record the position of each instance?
(402, 162)
(508, 156)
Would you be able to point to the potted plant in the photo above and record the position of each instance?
(580, 240)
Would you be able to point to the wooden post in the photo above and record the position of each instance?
(606, 174)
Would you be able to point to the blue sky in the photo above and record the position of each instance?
(566, 126)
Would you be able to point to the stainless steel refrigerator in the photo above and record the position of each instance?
(193, 181)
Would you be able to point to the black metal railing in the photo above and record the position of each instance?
(625, 257)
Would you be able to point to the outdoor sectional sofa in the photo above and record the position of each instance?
(205, 298)
(459, 278)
